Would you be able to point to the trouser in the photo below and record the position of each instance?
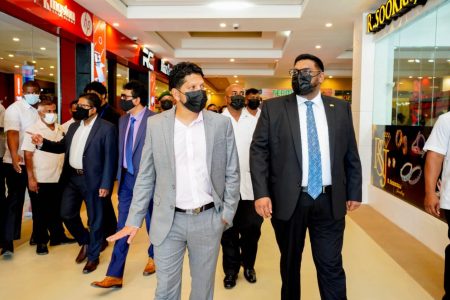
(200, 234)
(109, 216)
(2, 199)
(119, 255)
(326, 236)
(240, 242)
(13, 206)
(447, 261)
(46, 213)
(73, 195)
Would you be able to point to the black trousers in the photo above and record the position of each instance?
(447, 261)
(13, 203)
(326, 236)
(2, 199)
(46, 213)
(240, 242)
(74, 193)
(109, 216)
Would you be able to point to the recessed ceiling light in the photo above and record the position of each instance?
(431, 60)
(116, 24)
(318, 46)
(231, 59)
(33, 61)
(41, 68)
(51, 74)
(410, 77)
(420, 77)
(11, 55)
(52, 67)
(410, 60)
(223, 25)
(1, 58)
(119, 75)
(235, 76)
(16, 66)
(448, 60)
(287, 33)
(16, 39)
(331, 76)
(35, 71)
(417, 60)
(237, 81)
(43, 48)
(328, 24)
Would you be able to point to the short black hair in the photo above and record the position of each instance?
(251, 91)
(212, 104)
(315, 59)
(73, 102)
(137, 89)
(93, 99)
(96, 86)
(33, 84)
(180, 71)
(46, 101)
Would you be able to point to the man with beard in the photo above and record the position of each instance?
(306, 175)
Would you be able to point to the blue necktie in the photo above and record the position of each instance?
(315, 163)
(129, 147)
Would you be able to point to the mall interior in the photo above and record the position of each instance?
(395, 72)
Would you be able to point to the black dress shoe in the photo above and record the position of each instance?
(41, 249)
(63, 241)
(8, 249)
(250, 275)
(229, 281)
(82, 255)
(90, 266)
(32, 241)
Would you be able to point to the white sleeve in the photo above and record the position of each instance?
(27, 145)
(12, 119)
(440, 135)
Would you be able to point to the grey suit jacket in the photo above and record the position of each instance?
(157, 172)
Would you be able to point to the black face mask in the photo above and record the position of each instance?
(302, 85)
(237, 102)
(253, 103)
(80, 114)
(196, 100)
(166, 104)
(126, 105)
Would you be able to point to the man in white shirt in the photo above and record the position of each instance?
(240, 242)
(253, 101)
(190, 163)
(44, 170)
(19, 116)
(73, 108)
(437, 160)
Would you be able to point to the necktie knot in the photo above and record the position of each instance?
(309, 103)
(133, 119)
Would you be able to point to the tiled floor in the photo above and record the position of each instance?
(373, 271)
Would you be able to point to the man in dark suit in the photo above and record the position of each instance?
(90, 148)
(306, 174)
(132, 131)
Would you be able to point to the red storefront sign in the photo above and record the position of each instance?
(99, 50)
(65, 14)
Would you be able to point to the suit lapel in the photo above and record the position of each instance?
(331, 119)
(141, 129)
(209, 136)
(124, 125)
(94, 130)
(294, 124)
(168, 131)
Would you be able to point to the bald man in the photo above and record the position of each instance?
(240, 242)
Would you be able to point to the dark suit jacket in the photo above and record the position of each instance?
(108, 113)
(276, 155)
(99, 157)
(138, 144)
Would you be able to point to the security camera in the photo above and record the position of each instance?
(236, 26)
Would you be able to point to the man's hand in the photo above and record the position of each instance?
(352, 205)
(16, 160)
(126, 231)
(36, 138)
(263, 207)
(32, 184)
(432, 204)
(103, 192)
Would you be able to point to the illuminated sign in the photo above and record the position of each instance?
(391, 10)
(147, 58)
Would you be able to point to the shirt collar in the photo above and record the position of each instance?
(25, 103)
(316, 100)
(90, 124)
(244, 113)
(139, 116)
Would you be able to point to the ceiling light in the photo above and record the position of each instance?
(417, 60)
(16, 66)
(328, 25)
(431, 60)
(448, 60)
(51, 74)
(35, 71)
(11, 55)
(230, 5)
(231, 59)
(223, 25)
(420, 77)
(400, 83)
(52, 67)
(318, 46)
(119, 75)
(237, 81)
(43, 48)
(410, 60)
(116, 24)
(33, 61)
(235, 76)
(1, 58)
(16, 39)
(41, 68)
(287, 33)
(331, 76)
(409, 77)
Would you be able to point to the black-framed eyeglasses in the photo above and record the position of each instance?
(125, 97)
(85, 106)
(303, 72)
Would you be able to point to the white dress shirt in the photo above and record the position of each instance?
(192, 179)
(243, 134)
(18, 116)
(322, 132)
(79, 143)
(439, 142)
(47, 166)
(65, 126)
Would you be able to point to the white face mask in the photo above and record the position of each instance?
(31, 99)
(50, 118)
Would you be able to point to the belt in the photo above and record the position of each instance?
(326, 189)
(78, 171)
(195, 211)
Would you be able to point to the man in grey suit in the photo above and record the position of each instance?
(195, 196)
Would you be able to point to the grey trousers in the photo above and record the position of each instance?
(200, 234)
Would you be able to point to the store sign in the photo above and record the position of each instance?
(165, 67)
(147, 58)
(99, 50)
(390, 11)
(152, 90)
(60, 9)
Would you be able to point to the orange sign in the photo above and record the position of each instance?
(152, 90)
(18, 81)
(99, 50)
